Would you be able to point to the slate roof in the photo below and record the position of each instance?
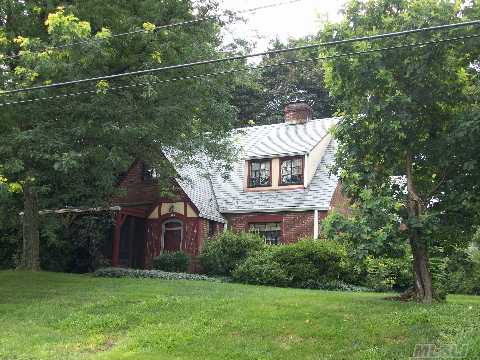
(198, 186)
(214, 195)
(283, 139)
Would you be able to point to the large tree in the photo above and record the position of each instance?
(67, 152)
(261, 95)
(401, 111)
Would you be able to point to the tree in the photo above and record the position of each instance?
(400, 109)
(68, 152)
(261, 96)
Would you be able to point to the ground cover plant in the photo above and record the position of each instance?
(64, 316)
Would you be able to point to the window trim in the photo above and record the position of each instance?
(286, 158)
(249, 170)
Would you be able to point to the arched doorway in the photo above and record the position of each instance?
(172, 235)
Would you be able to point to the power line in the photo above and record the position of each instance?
(231, 71)
(242, 57)
(161, 27)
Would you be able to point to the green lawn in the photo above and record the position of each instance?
(61, 316)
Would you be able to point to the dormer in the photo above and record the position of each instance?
(286, 156)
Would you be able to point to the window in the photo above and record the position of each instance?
(291, 171)
(211, 228)
(148, 173)
(259, 173)
(271, 231)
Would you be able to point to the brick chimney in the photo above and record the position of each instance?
(298, 112)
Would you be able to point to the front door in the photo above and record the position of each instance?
(172, 235)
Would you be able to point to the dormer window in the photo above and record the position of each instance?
(291, 170)
(259, 173)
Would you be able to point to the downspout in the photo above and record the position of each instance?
(315, 224)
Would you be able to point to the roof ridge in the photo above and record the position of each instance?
(285, 124)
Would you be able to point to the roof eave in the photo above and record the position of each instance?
(291, 209)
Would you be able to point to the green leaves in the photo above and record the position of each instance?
(407, 100)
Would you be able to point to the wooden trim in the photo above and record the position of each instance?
(135, 212)
(249, 166)
(286, 158)
(173, 215)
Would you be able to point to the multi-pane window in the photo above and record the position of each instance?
(270, 231)
(291, 171)
(259, 173)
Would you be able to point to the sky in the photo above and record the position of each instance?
(291, 20)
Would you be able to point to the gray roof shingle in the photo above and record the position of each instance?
(214, 195)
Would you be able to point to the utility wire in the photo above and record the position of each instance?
(241, 57)
(231, 71)
(161, 27)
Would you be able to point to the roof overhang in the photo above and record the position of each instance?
(291, 209)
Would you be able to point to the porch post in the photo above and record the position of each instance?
(116, 242)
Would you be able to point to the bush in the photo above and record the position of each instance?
(222, 254)
(149, 274)
(384, 274)
(463, 272)
(305, 264)
(312, 262)
(262, 269)
(172, 261)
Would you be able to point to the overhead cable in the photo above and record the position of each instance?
(242, 57)
(231, 71)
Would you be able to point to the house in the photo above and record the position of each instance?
(280, 186)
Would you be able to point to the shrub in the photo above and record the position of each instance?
(262, 269)
(463, 272)
(384, 274)
(312, 262)
(305, 264)
(172, 261)
(222, 254)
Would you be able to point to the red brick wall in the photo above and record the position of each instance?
(339, 201)
(134, 190)
(295, 225)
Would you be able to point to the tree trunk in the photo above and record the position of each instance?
(423, 277)
(31, 239)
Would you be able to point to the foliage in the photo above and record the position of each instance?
(69, 151)
(305, 264)
(463, 272)
(171, 261)
(222, 254)
(261, 96)
(66, 316)
(371, 232)
(9, 227)
(385, 274)
(149, 274)
(261, 268)
(400, 111)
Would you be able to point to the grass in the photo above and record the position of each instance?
(62, 316)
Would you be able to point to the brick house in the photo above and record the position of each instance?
(280, 186)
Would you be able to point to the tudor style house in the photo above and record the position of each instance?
(280, 186)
